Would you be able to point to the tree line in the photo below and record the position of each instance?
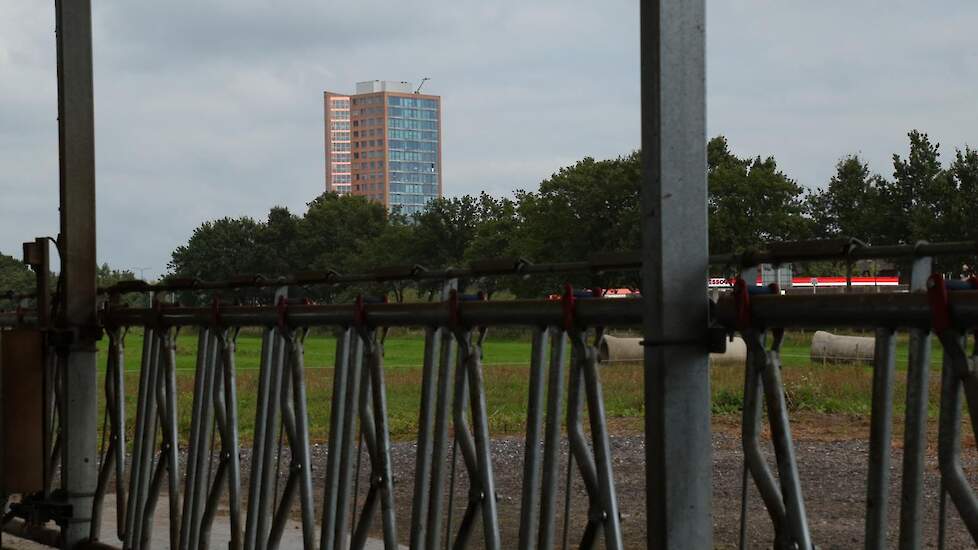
(593, 207)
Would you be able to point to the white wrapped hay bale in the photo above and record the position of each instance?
(835, 348)
(613, 349)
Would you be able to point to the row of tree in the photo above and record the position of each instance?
(592, 207)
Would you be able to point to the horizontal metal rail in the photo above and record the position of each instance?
(848, 310)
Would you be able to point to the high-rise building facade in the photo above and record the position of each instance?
(384, 143)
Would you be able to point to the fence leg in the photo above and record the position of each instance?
(252, 539)
(755, 461)
(551, 446)
(115, 457)
(441, 442)
(777, 412)
(531, 453)
(878, 481)
(199, 444)
(958, 373)
(607, 495)
(915, 433)
(349, 442)
(422, 467)
(472, 357)
(337, 423)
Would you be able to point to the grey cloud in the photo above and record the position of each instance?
(207, 109)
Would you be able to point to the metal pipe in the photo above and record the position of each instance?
(880, 436)
(608, 312)
(144, 437)
(751, 428)
(608, 496)
(915, 426)
(272, 426)
(349, 442)
(440, 443)
(531, 449)
(957, 371)
(422, 465)
(233, 449)
(784, 450)
(551, 444)
(300, 446)
(263, 411)
(337, 423)
(472, 354)
(383, 467)
(196, 445)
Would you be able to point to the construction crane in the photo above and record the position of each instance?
(423, 80)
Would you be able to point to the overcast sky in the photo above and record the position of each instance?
(211, 108)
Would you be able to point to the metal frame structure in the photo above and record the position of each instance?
(674, 314)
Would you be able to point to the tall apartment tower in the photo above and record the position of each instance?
(384, 143)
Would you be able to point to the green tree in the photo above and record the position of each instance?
(589, 208)
(335, 230)
(218, 250)
(751, 201)
(851, 205)
(495, 237)
(15, 276)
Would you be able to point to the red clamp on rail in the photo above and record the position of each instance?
(742, 301)
(157, 319)
(940, 310)
(282, 309)
(569, 306)
(742, 294)
(216, 311)
(454, 315)
(940, 304)
(359, 312)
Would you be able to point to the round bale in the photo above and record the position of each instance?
(613, 349)
(835, 348)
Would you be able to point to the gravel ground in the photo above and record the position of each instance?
(832, 465)
(833, 473)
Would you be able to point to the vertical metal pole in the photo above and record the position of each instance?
(440, 444)
(337, 421)
(531, 453)
(422, 468)
(915, 434)
(880, 434)
(349, 442)
(551, 444)
(76, 130)
(263, 410)
(679, 458)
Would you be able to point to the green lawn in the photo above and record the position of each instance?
(817, 388)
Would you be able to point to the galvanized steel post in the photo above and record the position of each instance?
(674, 274)
(76, 129)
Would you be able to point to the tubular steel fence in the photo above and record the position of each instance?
(454, 410)
(59, 374)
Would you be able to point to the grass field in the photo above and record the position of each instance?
(814, 388)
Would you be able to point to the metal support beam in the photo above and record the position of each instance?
(76, 115)
(675, 263)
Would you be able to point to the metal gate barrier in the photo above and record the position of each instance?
(454, 410)
(453, 400)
